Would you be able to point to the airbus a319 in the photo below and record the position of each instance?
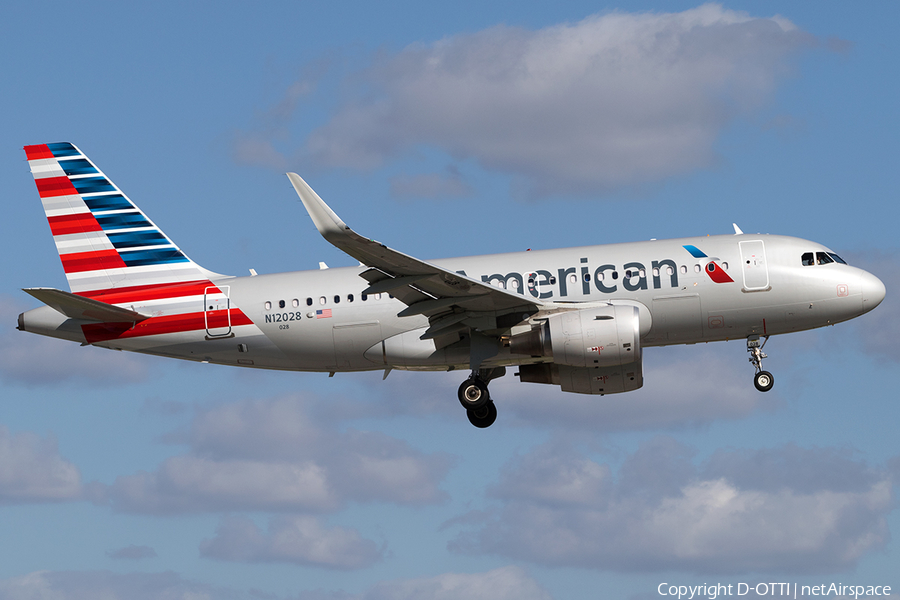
(578, 318)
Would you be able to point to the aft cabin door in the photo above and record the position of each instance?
(216, 311)
(753, 263)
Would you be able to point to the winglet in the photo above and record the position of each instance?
(326, 221)
(737, 230)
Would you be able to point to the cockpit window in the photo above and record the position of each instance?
(807, 259)
(837, 258)
(822, 258)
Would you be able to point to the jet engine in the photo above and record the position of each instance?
(591, 337)
(593, 350)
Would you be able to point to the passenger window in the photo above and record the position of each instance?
(309, 301)
(642, 273)
(363, 297)
(281, 304)
(337, 299)
(807, 259)
(268, 305)
(295, 303)
(683, 269)
(670, 271)
(377, 296)
(822, 258)
(696, 268)
(322, 300)
(349, 297)
(573, 278)
(600, 276)
(725, 265)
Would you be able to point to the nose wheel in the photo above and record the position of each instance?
(476, 399)
(763, 380)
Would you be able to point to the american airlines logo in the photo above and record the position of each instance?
(544, 284)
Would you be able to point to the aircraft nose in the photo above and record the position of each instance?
(872, 291)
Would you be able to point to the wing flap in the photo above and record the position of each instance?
(79, 307)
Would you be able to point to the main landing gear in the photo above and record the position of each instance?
(763, 380)
(476, 399)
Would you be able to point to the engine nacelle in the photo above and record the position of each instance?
(607, 336)
(585, 380)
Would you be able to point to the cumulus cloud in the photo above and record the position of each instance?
(431, 185)
(36, 360)
(617, 99)
(785, 509)
(82, 585)
(301, 540)
(273, 455)
(505, 583)
(31, 470)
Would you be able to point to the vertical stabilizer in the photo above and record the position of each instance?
(104, 241)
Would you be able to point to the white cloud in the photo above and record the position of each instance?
(31, 470)
(90, 585)
(617, 99)
(431, 185)
(505, 583)
(776, 510)
(272, 455)
(36, 360)
(300, 540)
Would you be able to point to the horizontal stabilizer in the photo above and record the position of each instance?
(79, 307)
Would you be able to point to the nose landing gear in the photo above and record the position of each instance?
(763, 380)
(476, 399)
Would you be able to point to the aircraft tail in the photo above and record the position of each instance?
(105, 242)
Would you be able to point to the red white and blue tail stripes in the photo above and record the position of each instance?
(103, 239)
(112, 252)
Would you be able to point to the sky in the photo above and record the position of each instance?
(449, 129)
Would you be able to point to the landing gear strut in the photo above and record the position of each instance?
(763, 380)
(476, 399)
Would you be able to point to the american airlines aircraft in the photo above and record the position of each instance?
(578, 318)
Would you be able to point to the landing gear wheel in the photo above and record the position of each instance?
(483, 416)
(473, 394)
(763, 381)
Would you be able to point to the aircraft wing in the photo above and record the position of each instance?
(425, 288)
(79, 307)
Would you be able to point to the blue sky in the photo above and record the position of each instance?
(442, 130)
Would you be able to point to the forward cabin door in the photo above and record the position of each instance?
(754, 269)
(216, 311)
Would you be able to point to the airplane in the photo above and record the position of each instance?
(578, 318)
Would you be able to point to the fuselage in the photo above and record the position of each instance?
(688, 290)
